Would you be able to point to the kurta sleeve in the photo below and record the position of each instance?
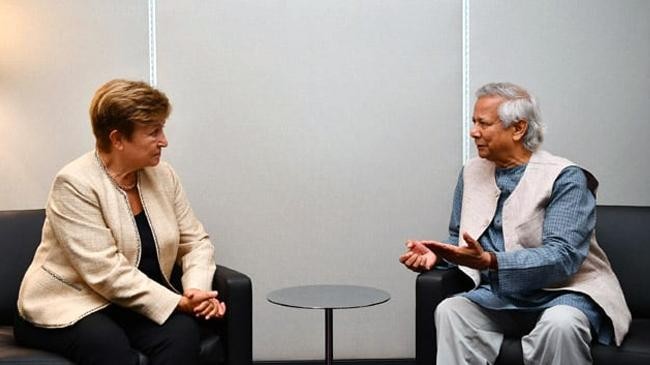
(568, 222)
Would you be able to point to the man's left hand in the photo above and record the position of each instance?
(472, 255)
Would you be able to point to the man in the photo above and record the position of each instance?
(527, 220)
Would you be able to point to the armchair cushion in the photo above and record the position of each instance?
(227, 341)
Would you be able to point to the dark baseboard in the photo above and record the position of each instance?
(341, 362)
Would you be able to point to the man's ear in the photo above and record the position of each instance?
(116, 139)
(519, 129)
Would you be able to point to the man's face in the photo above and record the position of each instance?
(493, 141)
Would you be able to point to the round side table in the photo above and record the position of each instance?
(328, 297)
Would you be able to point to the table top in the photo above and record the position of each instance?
(328, 296)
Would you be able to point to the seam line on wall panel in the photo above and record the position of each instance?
(465, 79)
(153, 77)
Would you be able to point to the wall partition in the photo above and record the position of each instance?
(589, 64)
(53, 56)
(314, 138)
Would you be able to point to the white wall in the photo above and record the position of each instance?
(314, 137)
(589, 64)
(53, 56)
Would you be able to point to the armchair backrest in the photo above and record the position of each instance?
(624, 234)
(20, 234)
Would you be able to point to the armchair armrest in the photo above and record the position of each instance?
(431, 288)
(235, 289)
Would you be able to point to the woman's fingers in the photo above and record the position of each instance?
(218, 309)
(222, 309)
(211, 308)
(202, 308)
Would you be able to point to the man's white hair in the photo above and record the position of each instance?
(519, 104)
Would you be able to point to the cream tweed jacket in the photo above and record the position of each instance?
(90, 247)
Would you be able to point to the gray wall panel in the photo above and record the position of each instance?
(589, 64)
(53, 56)
(313, 139)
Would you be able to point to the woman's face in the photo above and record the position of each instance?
(146, 144)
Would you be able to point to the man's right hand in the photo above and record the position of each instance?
(418, 258)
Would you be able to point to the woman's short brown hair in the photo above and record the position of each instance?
(120, 104)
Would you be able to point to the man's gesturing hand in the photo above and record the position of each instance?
(417, 257)
(472, 255)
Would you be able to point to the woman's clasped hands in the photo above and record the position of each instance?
(202, 303)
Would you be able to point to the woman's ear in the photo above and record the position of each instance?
(519, 129)
(116, 139)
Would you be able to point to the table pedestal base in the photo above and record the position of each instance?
(329, 350)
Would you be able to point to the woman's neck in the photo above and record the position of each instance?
(124, 176)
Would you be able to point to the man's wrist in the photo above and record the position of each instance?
(489, 261)
(492, 263)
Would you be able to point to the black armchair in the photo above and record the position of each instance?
(623, 233)
(227, 342)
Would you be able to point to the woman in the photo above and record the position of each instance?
(117, 220)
